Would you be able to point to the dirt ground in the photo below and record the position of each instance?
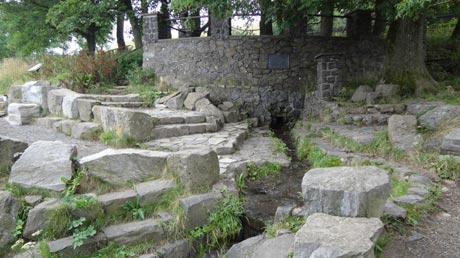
(436, 236)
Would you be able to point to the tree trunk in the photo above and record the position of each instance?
(327, 21)
(379, 24)
(164, 31)
(90, 37)
(456, 33)
(120, 32)
(135, 24)
(266, 24)
(405, 57)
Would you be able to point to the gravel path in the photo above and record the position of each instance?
(32, 133)
(437, 236)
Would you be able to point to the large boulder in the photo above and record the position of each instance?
(278, 247)
(177, 102)
(328, 236)
(9, 147)
(433, 118)
(135, 124)
(196, 208)
(346, 191)
(36, 92)
(9, 208)
(38, 218)
(112, 165)
(55, 99)
(196, 169)
(402, 132)
(206, 107)
(361, 93)
(192, 98)
(451, 142)
(43, 165)
(70, 106)
(245, 248)
(22, 114)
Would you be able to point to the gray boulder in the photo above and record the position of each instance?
(85, 108)
(43, 165)
(9, 208)
(387, 90)
(278, 247)
(3, 108)
(113, 202)
(402, 132)
(328, 236)
(245, 248)
(393, 210)
(9, 147)
(135, 124)
(419, 108)
(65, 126)
(152, 191)
(196, 169)
(36, 92)
(191, 99)
(346, 191)
(361, 93)
(48, 122)
(410, 199)
(112, 165)
(22, 114)
(196, 208)
(451, 142)
(177, 102)
(433, 118)
(70, 106)
(55, 99)
(37, 220)
(135, 232)
(206, 107)
(86, 131)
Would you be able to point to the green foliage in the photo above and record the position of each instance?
(12, 71)
(58, 223)
(447, 167)
(118, 140)
(383, 241)
(267, 168)
(113, 250)
(240, 182)
(316, 156)
(134, 209)
(398, 187)
(44, 250)
(129, 60)
(223, 224)
(72, 184)
(292, 223)
(17, 232)
(147, 92)
(280, 146)
(82, 230)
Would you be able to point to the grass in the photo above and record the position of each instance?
(280, 146)
(292, 223)
(147, 93)
(267, 168)
(118, 140)
(398, 187)
(13, 71)
(306, 150)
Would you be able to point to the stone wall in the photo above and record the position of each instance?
(241, 64)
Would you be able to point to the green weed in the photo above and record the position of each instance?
(306, 150)
(118, 140)
(292, 223)
(398, 187)
(280, 146)
(267, 168)
(134, 209)
(383, 241)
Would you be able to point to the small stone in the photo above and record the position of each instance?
(282, 213)
(415, 236)
(33, 200)
(191, 99)
(418, 191)
(409, 199)
(361, 93)
(393, 210)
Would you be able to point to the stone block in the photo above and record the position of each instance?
(393, 210)
(8, 148)
(451, 142)
(361, 93)
(22, 114)
(433, 118)
(64, 247)
(70, 106)
(9, 208)
(192, 98)
(346, 191)
(135, 232)
(37, 220)
(55, 98)
(387, 90)
(48, 122)
(402, 132)
(86, 131)
(15, 94)
(36, 92)
(278, 247)
(197, 208)
(135, 124)
(152, 191)
(65, 126)
(113, 202)
(85, 108)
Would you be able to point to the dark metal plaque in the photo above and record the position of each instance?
(278, 61)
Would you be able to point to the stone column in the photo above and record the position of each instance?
(220, 28)
(150, 28)
(329, 75)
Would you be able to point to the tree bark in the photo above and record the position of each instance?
(327, 21)
(266, 24)
(135, 24)
(456, 32)
(379, 24)
(120, 32)
(405, 57)
(164, 31)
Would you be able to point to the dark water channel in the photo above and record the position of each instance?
(264, 195)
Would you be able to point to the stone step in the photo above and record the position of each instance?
(165, 116)
(124, 104)
(132, 233)
(175, 130)
(366, 119)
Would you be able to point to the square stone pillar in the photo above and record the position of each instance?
(329, 75)
(220, 28)
(150, 28)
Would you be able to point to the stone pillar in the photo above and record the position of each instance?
(359, 24)
(329, 76)
(220, 28)
(150, 28)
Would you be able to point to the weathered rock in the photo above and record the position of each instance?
(135, 124)
(328, 236)
(33, 200)
(47, 122)
(387, 90)
(9, 147)
(85, 108)
(197, 207)
(179, 249)
(152, 191)
(451, 142)
(196, 169)
(346, 191)
(371, 98)
(191, 99)
(3, 108)
(113, 202)
(227, 106)
(9, 208)
(245, 248)
(36, 92)
(111, 165)
(278, 247)
(55, 98)
(29, 253)
(22, 114)
(409, 199)
(86, 131)
(419, 108)
(97, 111)
(15, 94)
(361, 93)
(433, 118)
(64, 248)
(206, 107)
(43, 165)
(402, 132)
(70, 106)
(393, 210)
(231, 116)
(37, 220)
(135, 232)
(164, 99)
(282, 213)
(418, 191)
(177, 102)
(65, 126)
